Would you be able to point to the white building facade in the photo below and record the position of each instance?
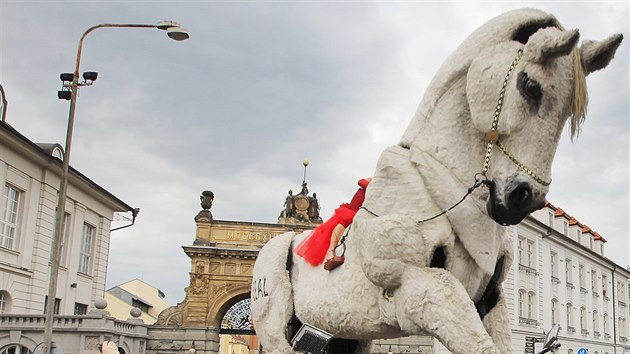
(29, 179)
(560, 276)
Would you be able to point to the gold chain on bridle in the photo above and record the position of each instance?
(492, 135)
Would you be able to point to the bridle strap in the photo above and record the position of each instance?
(492, 135)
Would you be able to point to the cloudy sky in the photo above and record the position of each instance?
(259, 87)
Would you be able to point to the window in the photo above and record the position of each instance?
(554, 264)
(583, 318)
(578, 233)
(141, 305)
(604, 284)
(555, 315)
(87, 243)
(65, 229)
(605, 322)
(521, 250)
(80, 309)
(590, 243)
(594, 281)
(530, 254)
(5, 302)
(581, 275)
(531, 308)
(9, 217)
(521, 303)
(526, 252)
(595, 322)
(15, 349)
(565, 228)
(56, 308)
(569, 315)
(551, 218)
(568, 270)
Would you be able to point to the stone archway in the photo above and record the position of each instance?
(222, 259)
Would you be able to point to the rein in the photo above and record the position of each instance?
(492, 138)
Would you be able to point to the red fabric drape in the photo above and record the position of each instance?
(313, 248)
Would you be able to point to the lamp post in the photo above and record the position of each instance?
(175, 32)
(3, 111)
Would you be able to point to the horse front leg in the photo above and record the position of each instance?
(497, 323)
(434, 301)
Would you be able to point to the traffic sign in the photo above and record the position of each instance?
(582, 351)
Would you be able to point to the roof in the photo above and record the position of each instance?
(558, 212)
(41, 154)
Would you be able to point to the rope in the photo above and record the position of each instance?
(480, 180)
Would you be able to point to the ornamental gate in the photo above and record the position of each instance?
(222, 259)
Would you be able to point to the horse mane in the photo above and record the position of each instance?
(579, 97)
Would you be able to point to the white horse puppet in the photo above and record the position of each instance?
(487, 128)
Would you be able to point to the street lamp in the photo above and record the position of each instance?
(3, 111)
(175, 32)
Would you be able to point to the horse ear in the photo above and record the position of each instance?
(597, 54)
(550, 43)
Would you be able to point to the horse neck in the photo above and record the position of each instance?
(447, 146)
(448, 152)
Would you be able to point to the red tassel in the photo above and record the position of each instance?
(313, 249)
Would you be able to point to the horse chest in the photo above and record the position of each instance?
(464, 268)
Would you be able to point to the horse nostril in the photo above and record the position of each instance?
(520, 197)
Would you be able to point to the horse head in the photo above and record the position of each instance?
(520, 96)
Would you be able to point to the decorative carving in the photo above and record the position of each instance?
(246, 268)
(91, 343)
(168, 345)
(207, 197)
(200, 269)
(300, 209)
(215, 267)
(198, 284)
(171, 316)
(230, 268)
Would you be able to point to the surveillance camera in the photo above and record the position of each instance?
(64, 95)
(90, 75)
(66, 76)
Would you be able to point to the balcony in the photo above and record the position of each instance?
(623, 339)
(595, 293)
(570, 329)
(570, 285)
(584, 332)
(527, 321)
(606, 335)
(583, 290)
(596, 334)
(622, 303)
(526, 269)
(555, 280)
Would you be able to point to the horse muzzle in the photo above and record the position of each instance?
(510, 203)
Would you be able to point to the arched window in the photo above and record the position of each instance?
(555, 315)
(15, 349)
(595, 322)
(5, 302)
(521, 302)
(583, 318)
(531, 305)
(605, 322)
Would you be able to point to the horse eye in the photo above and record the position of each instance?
(529, 88)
